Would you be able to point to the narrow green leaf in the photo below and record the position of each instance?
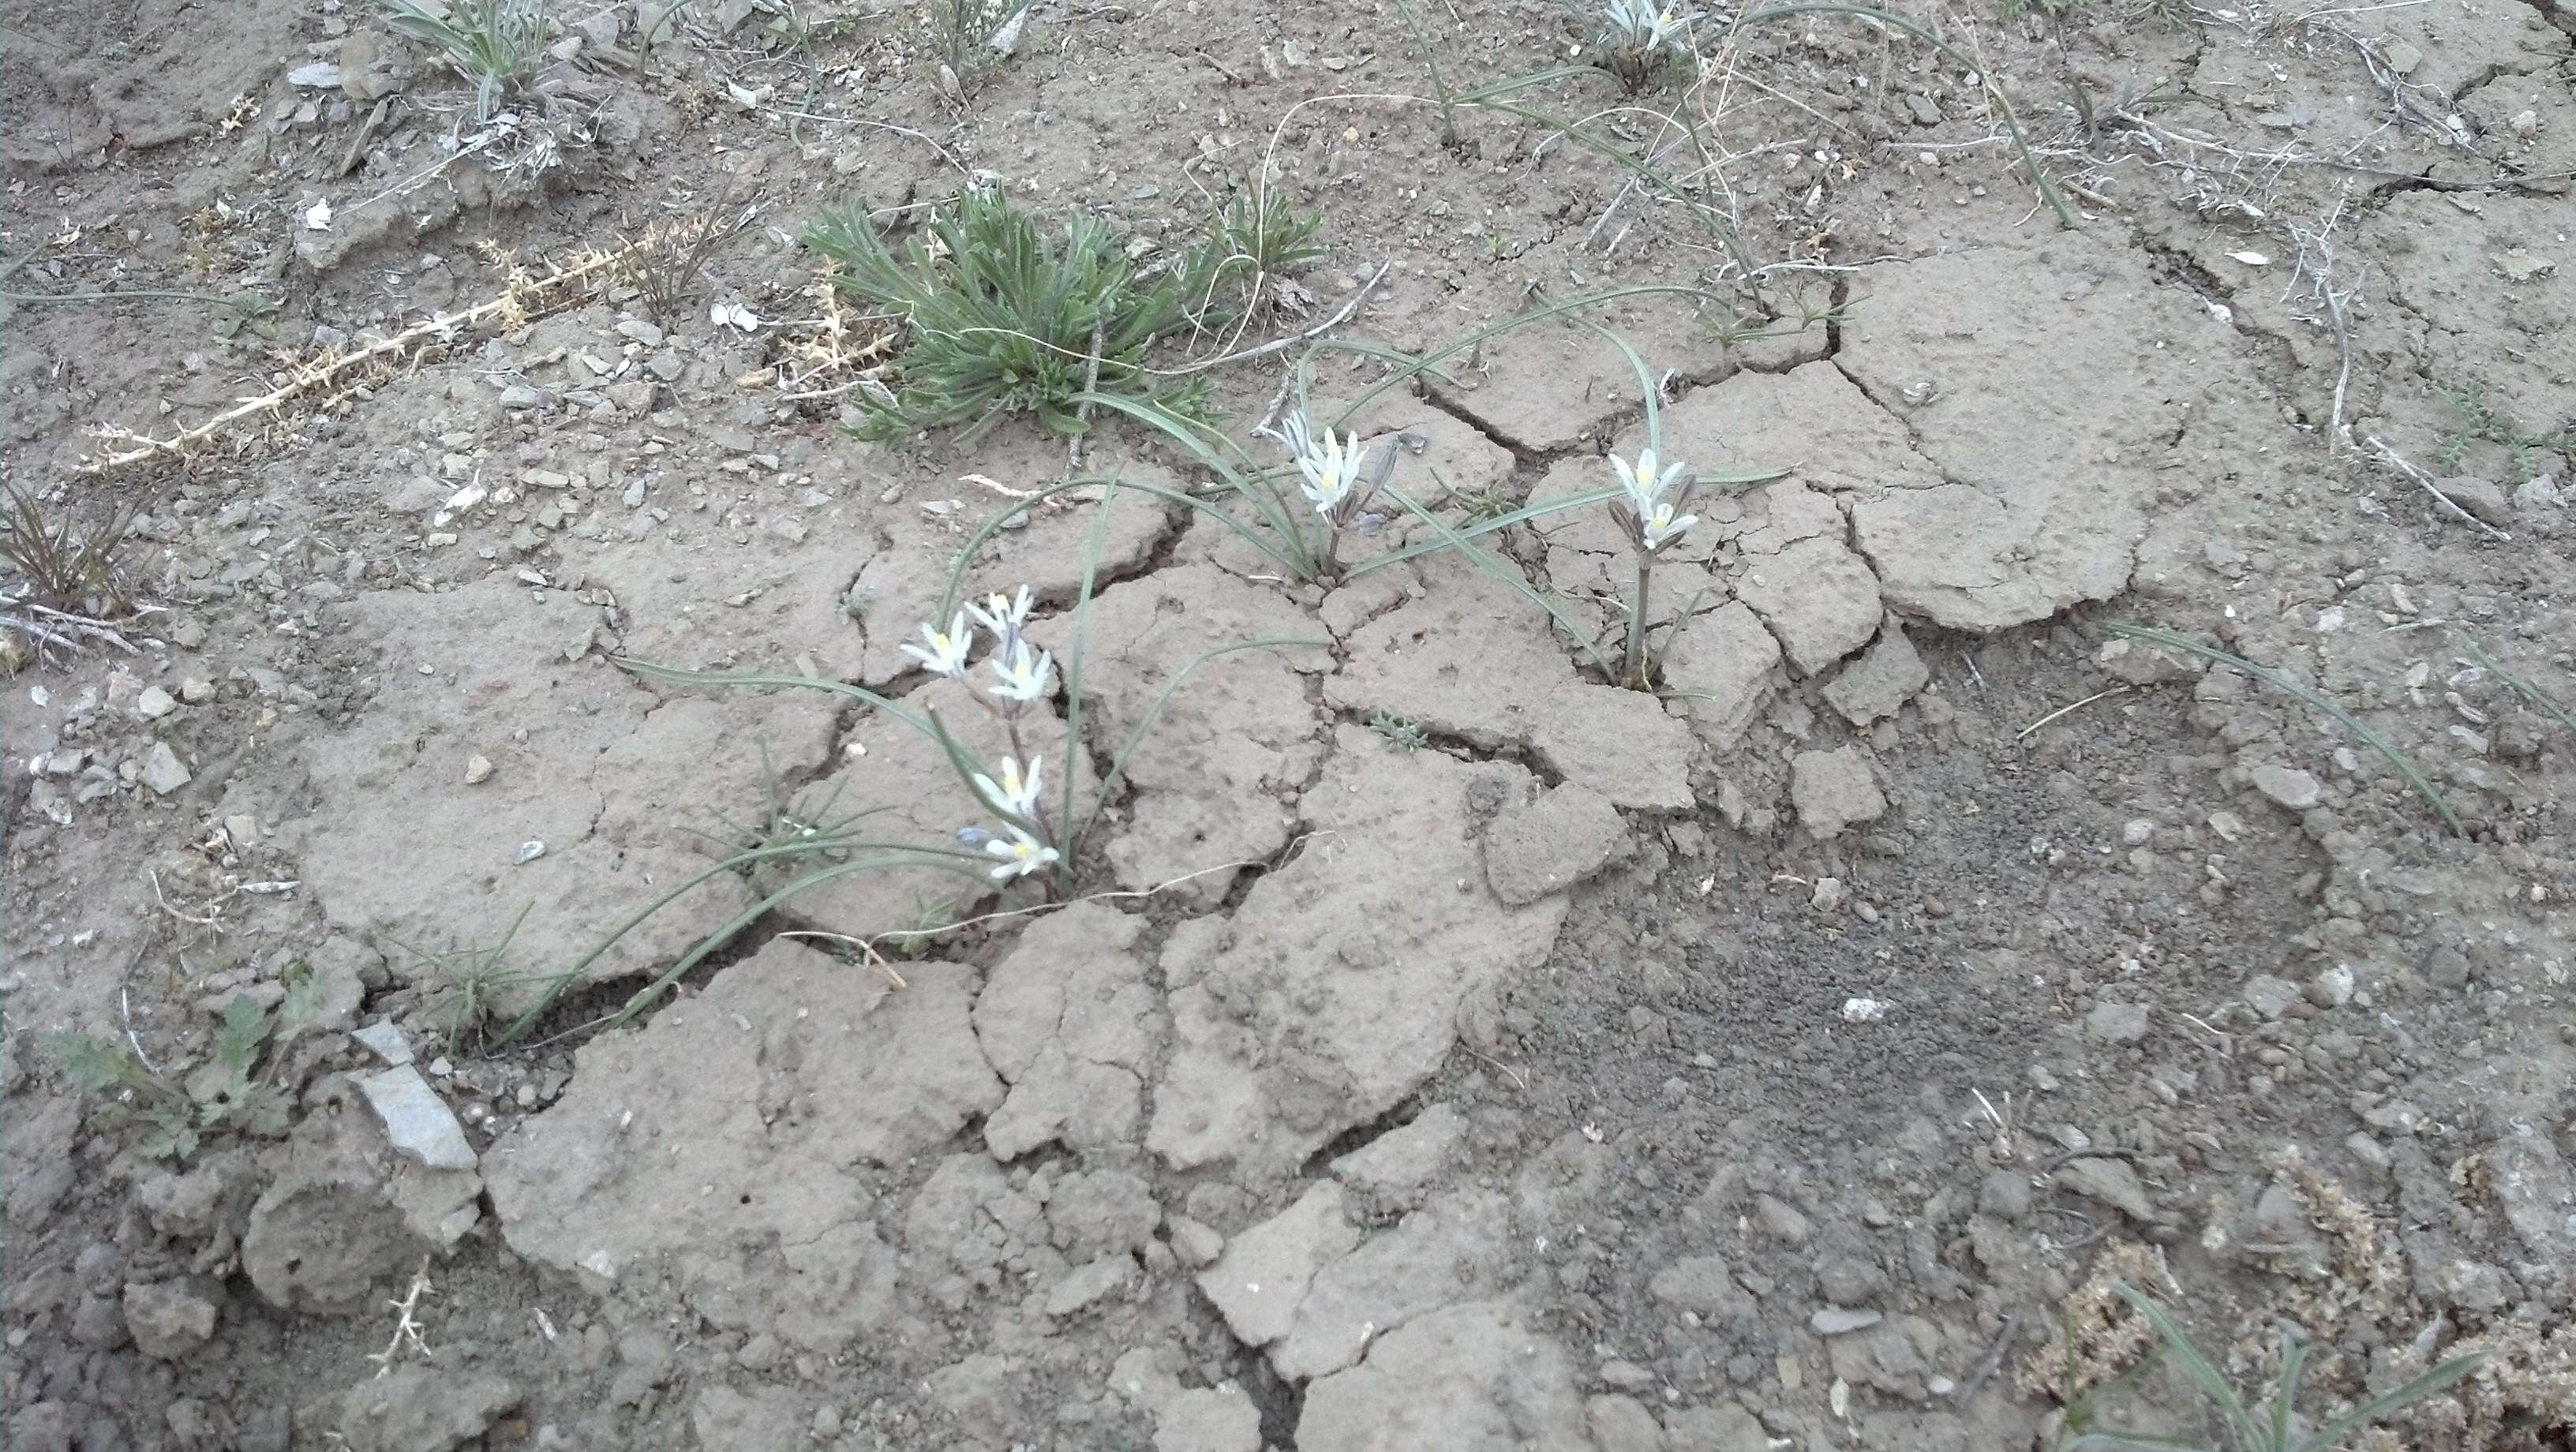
(2204, 1377)
(1511, 577)
(2422, 784)
(2294, 1364)
(2431, 1383)
(2133, 1442)
(1136, 735)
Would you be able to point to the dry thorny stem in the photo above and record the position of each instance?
(330, 378)
(823, 356)
(407, 1326)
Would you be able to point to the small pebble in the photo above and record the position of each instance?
(478, 770)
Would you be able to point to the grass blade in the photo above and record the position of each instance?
(1430, 361)
(676, 676)
(2132, 1442)
(2541, 700)
(2012, 123)
(724, 932)
(1509, 576)
(2422, 784)
(2440, 1378)
(2294, 1364)
(1646, 388)
(1521, 515)
(1073, 667)
(2204, 1377)
(1145, 724)
(1281, 520)
(570, 978)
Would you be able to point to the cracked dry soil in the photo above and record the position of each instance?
(1783, 1061)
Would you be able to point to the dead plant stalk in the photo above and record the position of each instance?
(514, 305)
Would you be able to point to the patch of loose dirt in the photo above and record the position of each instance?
(1451, 1048)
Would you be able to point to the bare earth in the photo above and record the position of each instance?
(1786, 1061)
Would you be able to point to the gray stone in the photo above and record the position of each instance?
(1626, 1375)
(1700, 1284)
(41, 1427)
(2117, 1023)
(2290, 787)
(1620, 1424)
(1264, 1273)
(1925, 110)
(1196, 1244)
(2270, 996)
(1881, 681)
(2111, 1182)
(2538, 497)
(2469, 1285)
(521, 396)
(418, 495)
(768, 1419)
(2005, 1194)
(1833, 790)
(417, 1409)
(1720, 668)
(1394, 1168)
(1842, 1320)
(1817, 597)
(169, 1319)
(2282, 1235)
(2483, 500)
(1470, 1378)
(2394, 1116)
(155, 703)
(163, 771)
(1549, 845)
(1781, 1221)
(1847, 1268)
(2535, 1189)
(386, 1040)
(416, 1120)
(1088, 1285)
(1101, 1212)
(1208, 1419)
(2332, 987)
(1723, 1427)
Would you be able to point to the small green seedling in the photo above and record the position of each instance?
(1639, 41)
(1401, 732)
(2275, 1426)
(228, 1091)
(1258, 239)
(930, 918)
(974, 34)
(59, 564)
(2481, 422)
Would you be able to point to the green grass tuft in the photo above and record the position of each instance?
(1005, 319)
(2258, 1426)
(495, 44)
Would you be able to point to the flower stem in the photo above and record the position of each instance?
(1631, 671)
